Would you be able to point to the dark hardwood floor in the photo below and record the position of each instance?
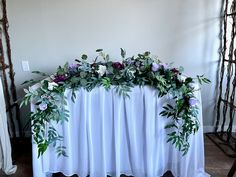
(217, 163)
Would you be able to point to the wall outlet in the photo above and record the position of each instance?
(25, 65)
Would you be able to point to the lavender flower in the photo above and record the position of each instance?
(73, 67)
(155, 67)
(193, 101)
(130, 61)
(43, 106)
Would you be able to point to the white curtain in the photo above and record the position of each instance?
(5, 146)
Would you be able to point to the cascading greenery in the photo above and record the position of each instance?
(144, 69)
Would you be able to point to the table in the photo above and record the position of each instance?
(108, 134)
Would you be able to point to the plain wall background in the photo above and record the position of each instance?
(48, 33)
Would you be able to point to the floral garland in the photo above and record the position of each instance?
(141, 70)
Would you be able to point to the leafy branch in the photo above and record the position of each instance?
(143, 69)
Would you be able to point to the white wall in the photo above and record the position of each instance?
(49, 32)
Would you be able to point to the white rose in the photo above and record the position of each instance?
(51, 85)
(101, 70)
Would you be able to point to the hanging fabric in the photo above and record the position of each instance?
(5, 145)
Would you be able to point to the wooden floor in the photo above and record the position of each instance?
(217, 163)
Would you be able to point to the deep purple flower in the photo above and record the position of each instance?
(193, 101)
(175, 71)
(43, 106)
(118, 65)
(155, 67)
(59, 78)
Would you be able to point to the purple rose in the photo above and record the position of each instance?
(59, 78)
(117, 65)
(155, 67)
(43, 106)
(193, 101)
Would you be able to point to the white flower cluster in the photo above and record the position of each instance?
(51, 85)
(101, 70)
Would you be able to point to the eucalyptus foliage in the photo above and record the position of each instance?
(143, 69)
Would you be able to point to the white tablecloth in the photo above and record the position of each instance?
(5, 145)
(111, 135)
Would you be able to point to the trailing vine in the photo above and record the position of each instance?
(143, 69)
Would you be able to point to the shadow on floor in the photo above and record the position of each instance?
(167, 174)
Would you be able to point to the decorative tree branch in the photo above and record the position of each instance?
(5, 85)
(13, 96)
(227, 85)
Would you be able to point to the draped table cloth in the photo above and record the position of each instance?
(108, 134)
(5, 144)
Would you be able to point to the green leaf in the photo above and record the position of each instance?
(181, 69)
(202, 79)
(122, 53)
(123, 90)
(99, 50)
(171, 107)
(106, 82)
(73, 95)
(26, 91)
(83, 74)
(188, 80)
(147, 53)
(40, 73)
(31, 82)
(170, 126)
(83, 82)
(84, 57)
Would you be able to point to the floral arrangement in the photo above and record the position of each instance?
(143, 69)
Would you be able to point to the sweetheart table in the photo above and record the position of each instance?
(108, 134)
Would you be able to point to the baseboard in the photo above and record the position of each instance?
(209, 129)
